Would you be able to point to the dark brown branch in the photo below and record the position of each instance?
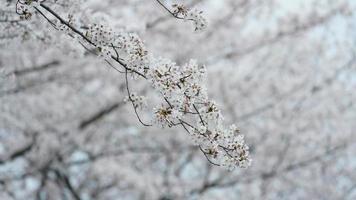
(65, 180)
(36, 69)
(87, 39)
(201, 119)
(99, 115)
(66, 23)
(22, 151)
(43, 15)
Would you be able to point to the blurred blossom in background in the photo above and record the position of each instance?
(283, 71)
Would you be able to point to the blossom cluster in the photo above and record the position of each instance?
(194, 15)
(184, 96)
(122, 45)
(223, 145)
(200, 23)
(186, 100)
(25, 8)
(131, 48)
(139, 101)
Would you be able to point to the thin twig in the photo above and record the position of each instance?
(133, 104)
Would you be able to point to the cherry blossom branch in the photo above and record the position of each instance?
(92, 43)
(169, 11)
(84, 37)
(183, 13)
(183, 124)
(165, 18)
(180, 87)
